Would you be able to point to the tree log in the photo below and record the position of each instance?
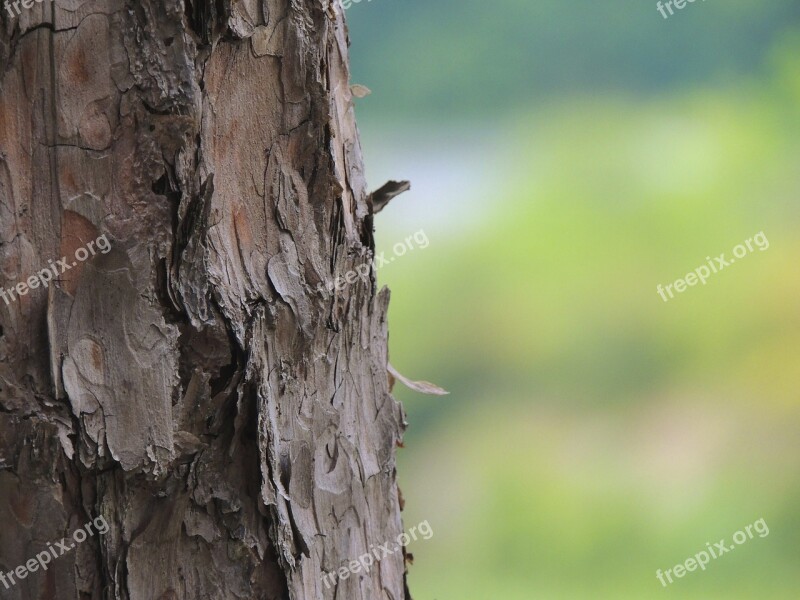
(196, 385)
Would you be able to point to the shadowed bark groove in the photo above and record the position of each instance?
(195, 384)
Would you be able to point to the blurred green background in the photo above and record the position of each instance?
(566, 158)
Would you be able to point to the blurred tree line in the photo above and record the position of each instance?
(457, 58)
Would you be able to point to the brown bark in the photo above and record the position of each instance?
(196, 385)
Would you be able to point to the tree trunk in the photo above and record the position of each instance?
(194, 384)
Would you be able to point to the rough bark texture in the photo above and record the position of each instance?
(196, 386)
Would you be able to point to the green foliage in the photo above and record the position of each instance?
(596, 433)
(463, 57)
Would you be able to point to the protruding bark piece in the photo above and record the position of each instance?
(360, 91)
(387, 192)
(423, 387)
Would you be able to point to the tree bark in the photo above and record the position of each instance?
(197, 386)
